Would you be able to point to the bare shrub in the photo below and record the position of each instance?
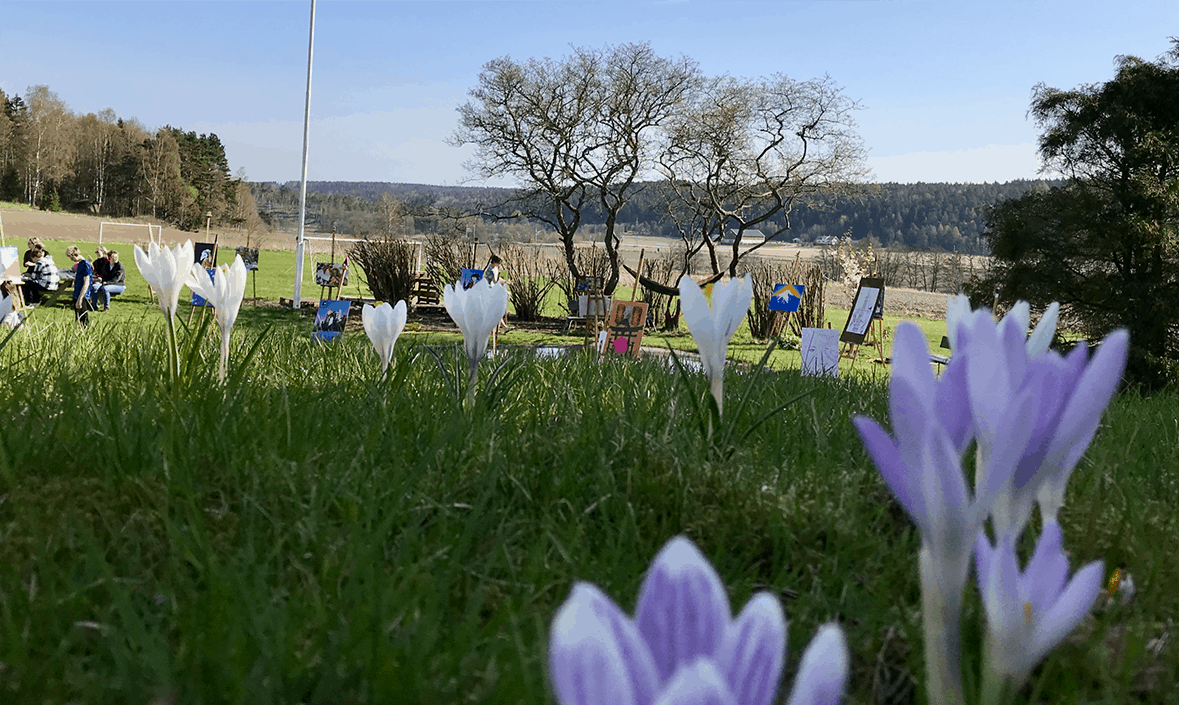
(591, 262)
(765, 273)
(529, 282)
(445, 258)
(661, 270)
(389, 267)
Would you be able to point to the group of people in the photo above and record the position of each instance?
(94, 283)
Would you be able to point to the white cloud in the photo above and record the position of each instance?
(995, 162)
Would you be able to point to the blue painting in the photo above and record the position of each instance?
(786, 297)
(330, 319)
(470, 276)
(197, 299)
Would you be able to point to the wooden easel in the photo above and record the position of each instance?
(595, 315)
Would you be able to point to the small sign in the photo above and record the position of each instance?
(786, 297)
(820, 352)
(330, 319)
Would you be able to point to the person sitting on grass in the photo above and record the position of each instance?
(83, 277)
(42, 276)
(111, 283)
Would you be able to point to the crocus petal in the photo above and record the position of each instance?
(1020, 316)
(586, 664)
(1006, 619)
(1068, 611)
(702, 325)
(1041, 336)
(753, 650)
(904, 482)
(957, 310)
(822, 673)
(683, 609)
(952, 402)
(697, 684)
(910, 356)
(1081, 416)
(1047, 572)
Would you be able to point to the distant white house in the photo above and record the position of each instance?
(827, 240)
(753, 236)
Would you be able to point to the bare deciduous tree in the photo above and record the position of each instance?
(745, 152)
(574, 132)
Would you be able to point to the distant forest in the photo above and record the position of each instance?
(933, 216)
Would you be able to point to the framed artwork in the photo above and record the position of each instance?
(863, 306)
(331, 274)
(878, 312)
(624, 327)
(786, 297)
(204, 254)
(820, 352)
(589, 284)
(249, 257)
(197, 299)
(330, 319)
(469, 277)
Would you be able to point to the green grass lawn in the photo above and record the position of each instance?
(316, 535)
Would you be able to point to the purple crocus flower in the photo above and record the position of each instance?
(922, 465)
(683, 647)
(1069, 398)
(1030, 613)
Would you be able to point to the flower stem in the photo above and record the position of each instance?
(996, 688)
(224, 354)
(941, 614)
(472, 378)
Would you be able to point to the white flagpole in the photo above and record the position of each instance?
(303, 183)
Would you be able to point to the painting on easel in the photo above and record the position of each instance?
(786, 297)
(205, 254)
(868, 297)
(332, 275)
(624, 328)
(330, 319)
(249, 257)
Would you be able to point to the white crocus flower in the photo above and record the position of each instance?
(165, 272)
(225, 292)
(713, 326)
(384, 324)
(476, 311)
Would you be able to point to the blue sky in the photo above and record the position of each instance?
(944, 84)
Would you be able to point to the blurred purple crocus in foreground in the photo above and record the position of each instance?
(922, 466)
(1028, 613)
(683, 646)
(1032, 413)
(1069, 394)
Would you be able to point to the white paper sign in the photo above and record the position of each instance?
(820, 352)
